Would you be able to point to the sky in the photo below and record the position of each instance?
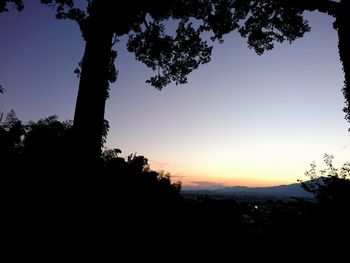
(242, 119)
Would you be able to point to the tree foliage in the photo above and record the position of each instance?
(35, 144)
(173, 38)
(43, 147)
(331, 186)
(6, 5)
(139, 181)
(11, 132)
(176, 54)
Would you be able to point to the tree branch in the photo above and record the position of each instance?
(146, 23)
(115, 40)
(324, 6)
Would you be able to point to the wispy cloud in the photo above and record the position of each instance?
(205, 184)
(167, 166)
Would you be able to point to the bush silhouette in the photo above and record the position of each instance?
(331, 186)
(49, 202)
(11, 132)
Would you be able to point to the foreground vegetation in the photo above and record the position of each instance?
(123, 210)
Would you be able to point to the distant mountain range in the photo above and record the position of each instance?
(281, 191)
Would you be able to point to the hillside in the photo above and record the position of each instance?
(279, 192)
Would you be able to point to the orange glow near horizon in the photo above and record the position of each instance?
(250, 182)
(243, 169)
(206, 178)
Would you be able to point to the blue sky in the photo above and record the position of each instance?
(241, 119)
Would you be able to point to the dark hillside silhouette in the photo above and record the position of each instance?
(49, 206)
(129, 212)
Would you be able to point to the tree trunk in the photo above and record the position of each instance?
(342, 25)
(93, 89)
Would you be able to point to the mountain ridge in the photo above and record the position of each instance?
(279, 191)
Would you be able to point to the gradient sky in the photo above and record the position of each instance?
(242, 119)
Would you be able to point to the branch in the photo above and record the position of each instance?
(324, 6)
(146, 23)
(115, 40)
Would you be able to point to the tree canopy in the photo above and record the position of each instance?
(173, 53)
(331, 186)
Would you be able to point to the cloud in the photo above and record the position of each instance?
(178, 175)
(205, 184)
(157, 165)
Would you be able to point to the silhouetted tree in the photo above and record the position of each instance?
(11, 146)
(4, 5)
(330, 216)
(174, 55)
(331, 186)
(134, 171)
(266, 18)
(46, 143)
(48, 206)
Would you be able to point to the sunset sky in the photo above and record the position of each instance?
(242, 119)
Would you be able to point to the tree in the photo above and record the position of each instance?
(331, 186)
(174, 55)
(271, 20)
(4, 5)
(11, 146)
(46, 144)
